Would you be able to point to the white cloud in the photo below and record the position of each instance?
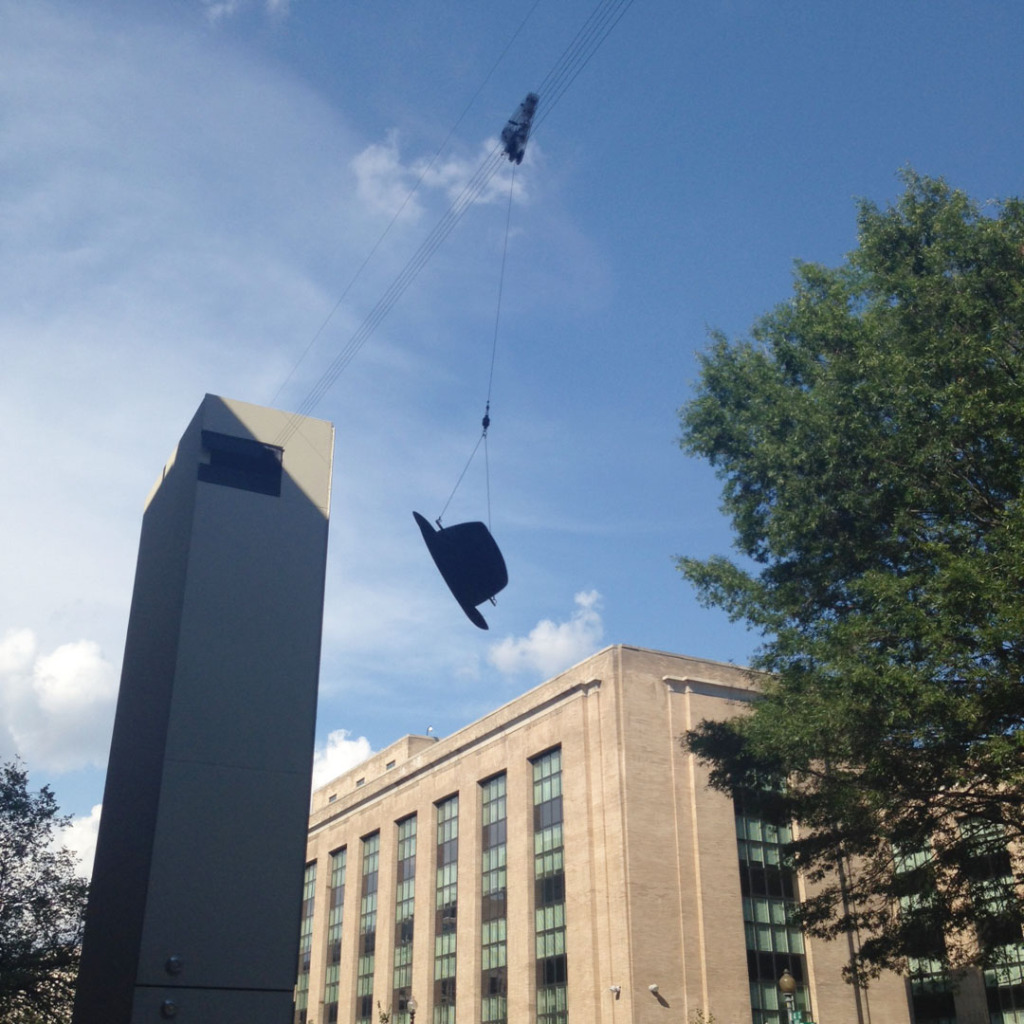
(550, 646)
(56, 709)
(17, 651)
(217, 10)
(382, 182)
(337, 755)
(80, 838)
(386, 184)
(454, 173)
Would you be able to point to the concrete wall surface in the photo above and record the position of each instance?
(198, 872)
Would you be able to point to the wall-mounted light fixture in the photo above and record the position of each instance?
(615, 990)
(653, 989)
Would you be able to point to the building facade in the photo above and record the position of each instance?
(563, 860)
(200, 848)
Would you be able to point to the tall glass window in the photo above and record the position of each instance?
(335, 919)
(549, 889)
(931, 986)
(1004, 987)
(994, 886)
(305, 943)
(768, 886)
(367, 928)
(493, 981)
(446, 910)
(405, 898)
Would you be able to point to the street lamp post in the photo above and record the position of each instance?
(787, 986)
(411, 1006)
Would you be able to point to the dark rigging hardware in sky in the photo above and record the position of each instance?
(517, 131)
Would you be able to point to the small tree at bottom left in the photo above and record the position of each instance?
(42, 905)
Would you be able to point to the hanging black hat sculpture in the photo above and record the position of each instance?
(469, 560)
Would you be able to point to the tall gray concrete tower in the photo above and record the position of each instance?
(196, 890)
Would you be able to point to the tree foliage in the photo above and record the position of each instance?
(869, 435)
(42, 906)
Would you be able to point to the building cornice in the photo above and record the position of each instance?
(711, 688)
(479, 733)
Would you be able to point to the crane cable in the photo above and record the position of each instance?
(574, 59)
(486, 421)
(405, 202)
(395, 290)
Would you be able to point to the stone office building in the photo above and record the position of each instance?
(562, 860)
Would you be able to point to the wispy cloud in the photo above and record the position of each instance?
(218, 10)
(389, 185)
(383, 182)
(156, 249)
(453, 172)
(277, 8)
(550, 646)
(56, 709)
(178, 219)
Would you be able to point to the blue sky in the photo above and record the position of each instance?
(187, 189)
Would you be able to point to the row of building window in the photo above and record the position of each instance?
(992, 883)
(405, 901)
(335, 920)
(305, 943)
(768, 887)
(446, 903)
(774, 944)
(549, 895)
(367, 929)
(493, 878)
(549, 924)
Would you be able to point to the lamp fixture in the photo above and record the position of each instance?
(653, 989)
(787, 986)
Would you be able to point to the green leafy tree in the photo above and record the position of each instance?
(42, 906)
(870, 439)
